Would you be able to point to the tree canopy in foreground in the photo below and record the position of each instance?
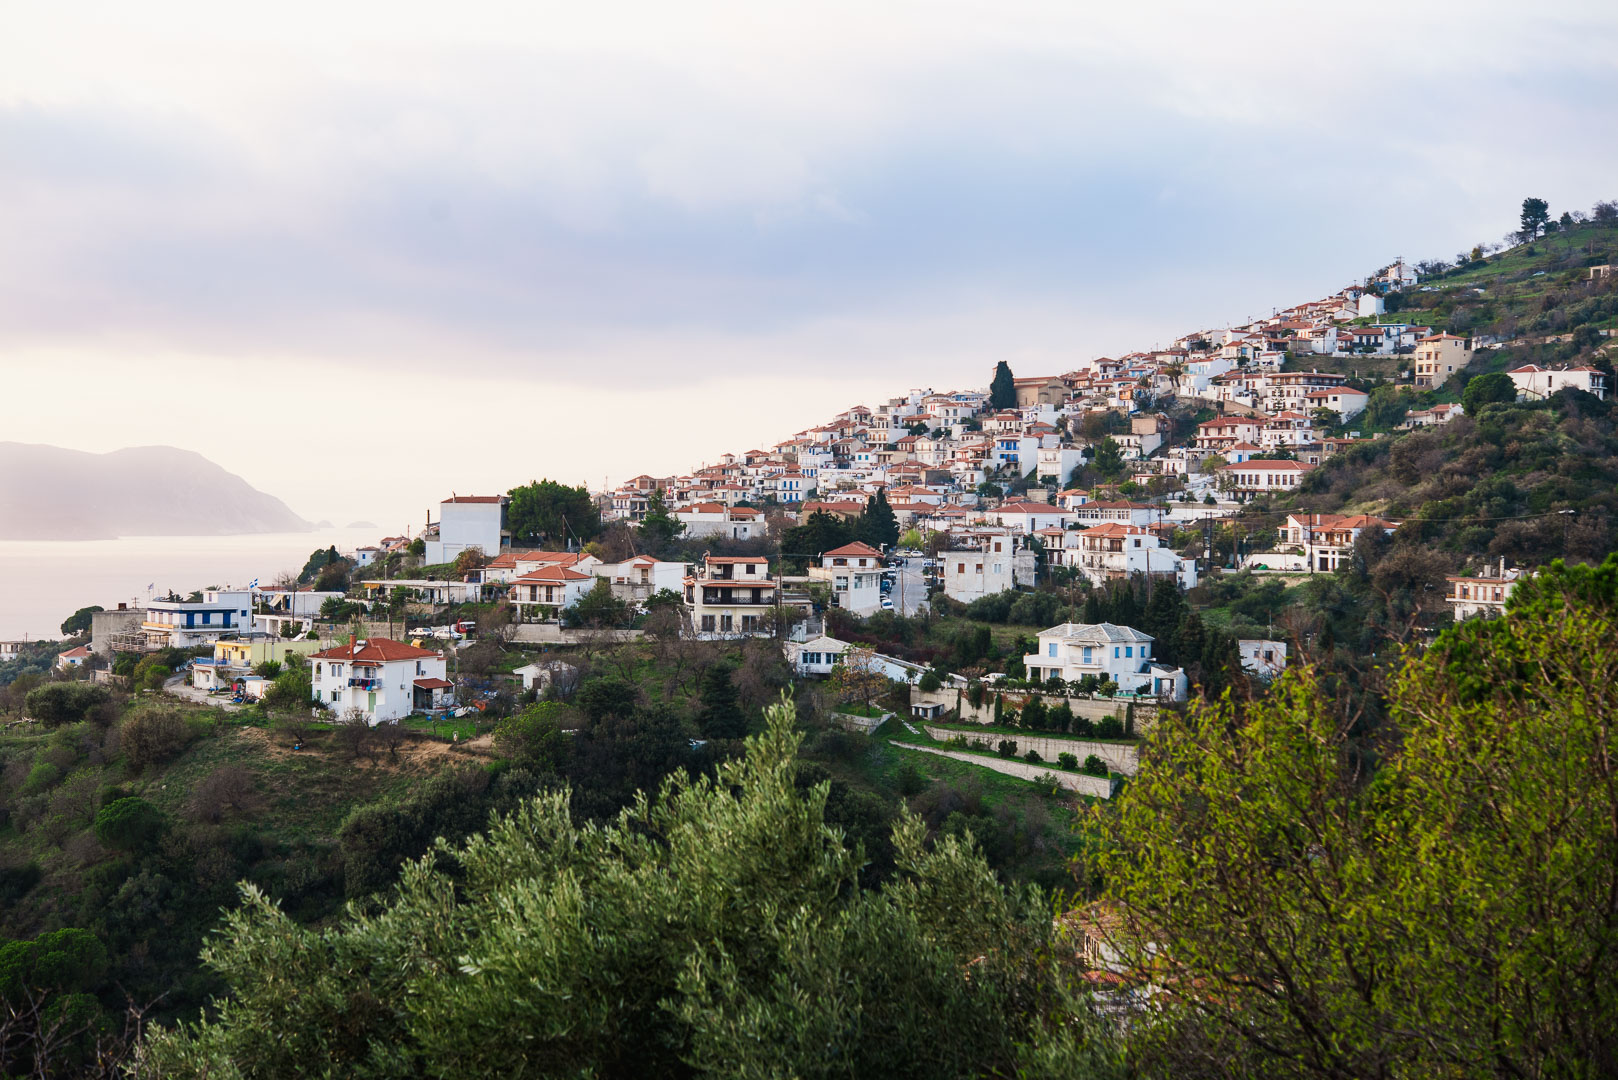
(720, 929)
(1453, 913)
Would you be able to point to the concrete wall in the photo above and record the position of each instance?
(1094, 786)
(1120, 757)
(103, 624)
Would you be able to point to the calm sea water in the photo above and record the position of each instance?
(43, 582)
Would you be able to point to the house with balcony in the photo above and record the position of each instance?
(731, 596)
(718, 519)
(1113, 551)
(1485, 595)
(1119, 653)
(1021, 516)
(185, 624)
(637, 580)
(384, 679)
(854, 572)
(995, 567)
(543, 594)
(1326, 541)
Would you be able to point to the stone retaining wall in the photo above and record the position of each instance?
(1121, 758)
(1084, 784)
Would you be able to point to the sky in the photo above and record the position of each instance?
(368, 254)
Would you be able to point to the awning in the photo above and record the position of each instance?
(432, 684)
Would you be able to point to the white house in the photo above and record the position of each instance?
(185, 624)
(1485, 595)
(821, 654)
(468, 521)
(969, 575)
(1058, 462)
(548, 591)
(1257, 477)
(1326, 540)
(1029, 517)
(855, 573)
(717, 519)
(637, 579)
(73, 658)
(1115, 550)
(1120, 653)
(1262, 657)
(1534, 382)
(1345, 401)
(384, 679)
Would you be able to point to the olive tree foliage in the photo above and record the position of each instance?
(1453, 913)
(718, 929)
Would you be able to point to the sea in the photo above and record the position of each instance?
(42, 582)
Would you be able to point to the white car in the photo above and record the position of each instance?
(887, 603)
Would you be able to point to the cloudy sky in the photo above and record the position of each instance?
(487, 242)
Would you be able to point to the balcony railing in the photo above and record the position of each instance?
(365, 684)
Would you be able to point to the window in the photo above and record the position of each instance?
(334, 695)
(707, 623)
(1115, 652)
(1129, 651)
(1088, 659)
(1050, 650)
(727, 623)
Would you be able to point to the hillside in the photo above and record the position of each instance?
(52, 493)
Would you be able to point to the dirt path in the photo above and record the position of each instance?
(416, 754)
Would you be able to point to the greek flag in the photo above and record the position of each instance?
(254, 585)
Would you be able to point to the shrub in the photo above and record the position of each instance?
(1032, 757)
(1067, 761)
(974, 694)
(1109, 727)
(1061, 717)
(1083, 726)
(39, 778)
(911, 780)
(1007, 748)
(929, 682)
(129, 825)
(1095, 766)
(64, 703)
(1034, 714)
(153, 736)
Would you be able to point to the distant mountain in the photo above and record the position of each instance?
(50, 493)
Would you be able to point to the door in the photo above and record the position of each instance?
(370, 704)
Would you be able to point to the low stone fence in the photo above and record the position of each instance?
(1098, 787)
(1121, 758)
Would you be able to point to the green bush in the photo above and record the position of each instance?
(64, 703)
(1032, 757)
(1035, 715)
(929, 682)
(910, 778)
(1067, 761)
(39, 778)
(1007, 748)
(1109, 727)
(131, 824)
(1095, 766)
(154, 735)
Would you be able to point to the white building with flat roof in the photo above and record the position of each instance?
(468, 521)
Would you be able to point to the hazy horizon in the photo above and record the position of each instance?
(363, 257)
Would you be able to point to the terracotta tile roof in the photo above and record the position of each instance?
(433, 684)
(856, 549)
(374, 650)
(546, 575)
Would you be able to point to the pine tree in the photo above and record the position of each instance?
(720, 716)
(1003, 390)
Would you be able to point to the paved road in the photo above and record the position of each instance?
(910, 588)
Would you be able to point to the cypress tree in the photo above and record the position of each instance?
(878, 525)
(1093, 612)
(1162, 617)
(1003, 390)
